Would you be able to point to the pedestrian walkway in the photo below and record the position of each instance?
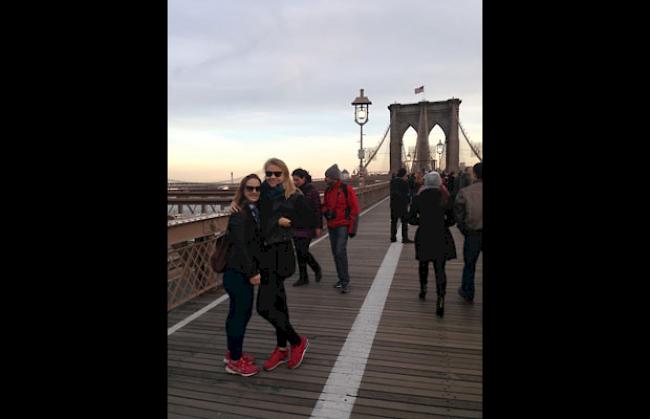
(415, 366)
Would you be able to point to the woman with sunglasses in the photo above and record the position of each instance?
(282, 206)
(242, 273)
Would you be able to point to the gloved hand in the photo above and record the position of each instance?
(352, 235)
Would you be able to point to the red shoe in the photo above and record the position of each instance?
(298, 353)
(241, 367)
(248, 358)
(277, 357)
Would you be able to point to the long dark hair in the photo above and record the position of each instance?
(240, 198)
(303, 174)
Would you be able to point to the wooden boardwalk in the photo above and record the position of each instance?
(419, 366)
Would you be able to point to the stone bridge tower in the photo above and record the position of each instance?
(423, 116)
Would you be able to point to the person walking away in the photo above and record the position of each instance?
(399, 201)
(433, 240)
(468, 210)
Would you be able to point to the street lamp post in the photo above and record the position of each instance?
(361, 117)
(440, 148)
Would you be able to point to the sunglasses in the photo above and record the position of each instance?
(253, 188)
(277, 174)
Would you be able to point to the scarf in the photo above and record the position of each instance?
(271, 193)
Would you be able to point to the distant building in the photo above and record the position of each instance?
(345, 175)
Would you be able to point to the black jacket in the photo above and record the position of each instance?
(278, 256)
(433, 240)
(399, 197)
(295, 208)
(245, 239)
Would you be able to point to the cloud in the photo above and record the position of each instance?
(261, 71)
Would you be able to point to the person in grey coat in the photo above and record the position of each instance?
(468, 210)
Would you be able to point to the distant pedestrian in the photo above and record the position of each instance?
(462, 181)
(399, 203)
(451, 183)
(418, 181)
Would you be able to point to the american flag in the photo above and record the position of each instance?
(419, 90)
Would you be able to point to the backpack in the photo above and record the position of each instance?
(347, 202)
(219, 256)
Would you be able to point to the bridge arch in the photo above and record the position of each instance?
(423, 116)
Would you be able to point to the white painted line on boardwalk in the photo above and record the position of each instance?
(373, 207)
(340, 392)
(197, 314)
(225, 296)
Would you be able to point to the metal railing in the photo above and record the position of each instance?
(188, 270)
(192, 241)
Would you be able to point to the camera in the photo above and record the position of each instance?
(330, 215)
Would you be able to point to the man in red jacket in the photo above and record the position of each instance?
(341, 209)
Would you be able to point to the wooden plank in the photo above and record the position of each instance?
(230, 408)
(419, 365)
(246, 398)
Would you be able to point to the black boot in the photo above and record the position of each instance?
(304, 279)
(313, 264)
(423, 290)
(440, 306)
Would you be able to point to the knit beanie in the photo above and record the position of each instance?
(333, 172)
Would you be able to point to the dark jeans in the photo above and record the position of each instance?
(471, 249)
(304, 257)
(393, 227)
(339, 243)
(240, 291)
(441, 276)
(272, 306)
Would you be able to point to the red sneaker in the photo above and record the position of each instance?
(298, 353)
(277, 357)
(241, 367)
(248, 358)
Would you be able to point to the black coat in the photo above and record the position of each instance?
(433, 240)
(315, 220)
(278, 256)
(399, 197)
(295, 208)
(245, 238)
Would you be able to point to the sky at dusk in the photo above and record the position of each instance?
(249, 80)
